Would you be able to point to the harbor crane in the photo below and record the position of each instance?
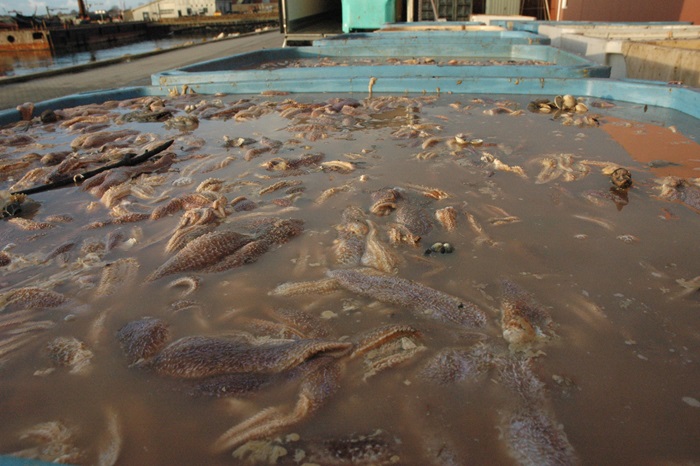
(82, 10)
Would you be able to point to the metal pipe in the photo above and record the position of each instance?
(559, 10)
(435, 9)
(561, 5)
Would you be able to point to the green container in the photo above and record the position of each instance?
(367, 14)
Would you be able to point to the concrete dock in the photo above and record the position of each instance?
(125, 71)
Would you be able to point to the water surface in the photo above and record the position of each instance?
(618, 370)
(24, 63)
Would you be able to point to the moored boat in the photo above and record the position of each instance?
(22, 34)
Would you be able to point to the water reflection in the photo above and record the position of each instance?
(660, 146)
(23, 63)
(31, 61)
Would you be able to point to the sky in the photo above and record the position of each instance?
(29, 7)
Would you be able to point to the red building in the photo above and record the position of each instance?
(626, 10)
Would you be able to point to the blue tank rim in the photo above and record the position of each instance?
(683, 99)
(533, 26)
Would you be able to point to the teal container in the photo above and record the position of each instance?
(367, 14)
(365, 58)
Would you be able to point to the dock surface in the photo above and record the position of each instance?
(125, 72)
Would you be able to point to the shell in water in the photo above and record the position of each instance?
(568, 102)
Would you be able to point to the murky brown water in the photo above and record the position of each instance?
(617, 367)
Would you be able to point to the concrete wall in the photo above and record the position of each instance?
(663, 61)
(626, 10)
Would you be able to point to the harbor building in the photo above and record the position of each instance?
(170, 9)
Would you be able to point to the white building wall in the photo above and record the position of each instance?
(173, 9)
